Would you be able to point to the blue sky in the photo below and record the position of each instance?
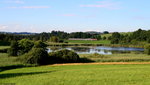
(74, 15)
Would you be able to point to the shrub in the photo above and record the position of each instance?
(63, 56)
(147, 49)
(36, 56)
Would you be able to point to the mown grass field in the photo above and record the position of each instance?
(88, 42)
(79, 75)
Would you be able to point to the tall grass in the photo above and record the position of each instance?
(117, 57)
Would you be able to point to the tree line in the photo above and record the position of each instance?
(132, 38)
(5, 39)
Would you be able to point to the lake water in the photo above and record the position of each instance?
(99, 49)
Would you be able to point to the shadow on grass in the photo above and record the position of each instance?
(12, 67)
(85, 60)
(10, 75)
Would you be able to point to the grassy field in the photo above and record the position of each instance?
(131, 57)
(5, 60)
(79, 75)
(89, 42)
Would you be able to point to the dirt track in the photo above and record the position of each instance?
(105, 63)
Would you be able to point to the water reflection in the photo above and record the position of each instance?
(99, 49)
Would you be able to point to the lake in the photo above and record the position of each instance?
(99, 49)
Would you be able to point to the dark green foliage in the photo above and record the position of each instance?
(13, 51)
(40, 44)
(147, 49)
(80, 35)
(54, 39)
(106, 32)
(25, 45)
(134, 38)
(63, 56)
(4, 43)
(4, 50)
(98, 37)
(104, 38)
(148, 40)
(36, 56)
(115, 38)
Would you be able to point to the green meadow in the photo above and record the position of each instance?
(88, 41)
(79, 75)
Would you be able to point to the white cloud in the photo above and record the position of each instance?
(3, 27)
(29, 7)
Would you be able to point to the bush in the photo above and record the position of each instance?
(64, 56)
(36, 56)
(147, 49)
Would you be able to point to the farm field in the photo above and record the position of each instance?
(79, 75)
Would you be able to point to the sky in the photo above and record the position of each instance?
(74, 15)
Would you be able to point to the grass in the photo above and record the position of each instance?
(5, 60)
(131, 57)
(79, 75)
(89, 42)
(4, 47)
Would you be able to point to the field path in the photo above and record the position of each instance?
(103, 63)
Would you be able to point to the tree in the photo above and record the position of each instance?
(38, 55)
(25, 45)
(13, 51)
(54, 39)
(40, 44)
(106, 32)
(115, 38)
(104, 38)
